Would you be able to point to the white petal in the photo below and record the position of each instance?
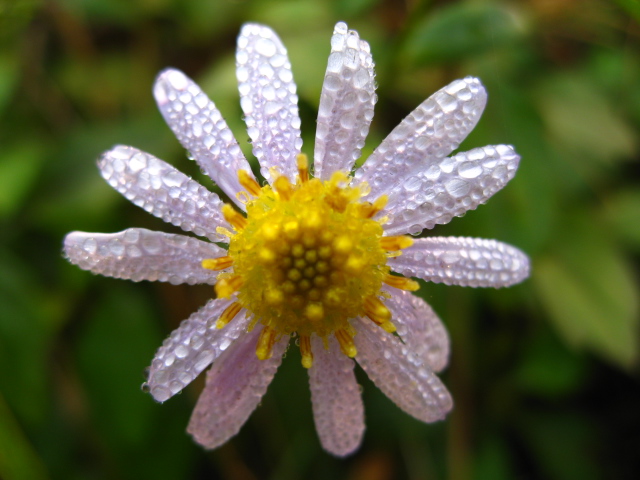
(199, 126)
(335, 394)
(163, 191)
(191, 348)
(235, 385)
(431, 132)
(346, 103)
(268, 99)
(420, 328)
(400, 374)
(450, 188)
(139, 254)
(468, 262)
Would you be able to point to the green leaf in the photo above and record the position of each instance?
(25, 335)
(582, 119)
(548, 369)
(460, 31)
(591, 294)
(19, 169)
(18, 460)
(622, 210)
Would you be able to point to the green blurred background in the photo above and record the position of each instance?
(545, 374)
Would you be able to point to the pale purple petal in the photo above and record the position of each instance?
(268, 99)
(400, 374)
(420, 328)
(468, 262)
(450, 188)
(431, 132)
(191, 348)
(346, 103)
(163, 191)
(139, 254)
(199, 126)
(235, 385)
(335, 394)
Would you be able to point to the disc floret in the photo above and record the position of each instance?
(308, 257)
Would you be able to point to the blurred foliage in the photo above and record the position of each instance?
(545, 375)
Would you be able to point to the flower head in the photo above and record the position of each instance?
(309, 256)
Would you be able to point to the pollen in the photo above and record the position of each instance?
(308, 257)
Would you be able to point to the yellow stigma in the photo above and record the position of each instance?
(307, 258)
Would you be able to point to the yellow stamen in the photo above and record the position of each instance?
(303, 167)
(354, 264)
(225, 232)
(267, 255)
(342, 245)
(283, 187)
(368, 210)
(216, 264)
(270, 231)
(397, 242)
(292, 229)
(305, 258)
(314, 312)
(346, 343)
(274, 296)
(228, 286)
(248, 182)
(229, 314)
(402, 283)
(378, 313)
(234, 217)
(266, 340)
(305, 351)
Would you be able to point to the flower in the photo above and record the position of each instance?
(312, 256)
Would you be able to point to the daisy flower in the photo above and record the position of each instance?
(320, 255)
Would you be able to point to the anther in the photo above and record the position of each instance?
(270, 232)
(324, 252)
(343, 244)
(402, 283)
(346, 342)
(283, 187)
(228, 286)
(305, 351)
(216, 264)
(288, 286)
(248, 182)
(274, 296)
(368, 210)
(322, 267)
(266, 340)
(294, 275)
(354, 264)
(229, 314)
(303, 167)
(313, 221)
(314, 312)
(397, 242)
(297, 250)
(267, 255)
(378, 313)
(314, 294)
(292, 230)
(234, 217)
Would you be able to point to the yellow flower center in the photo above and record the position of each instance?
(306, 259)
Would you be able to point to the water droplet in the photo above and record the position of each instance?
(266, 47)
(469, 170)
